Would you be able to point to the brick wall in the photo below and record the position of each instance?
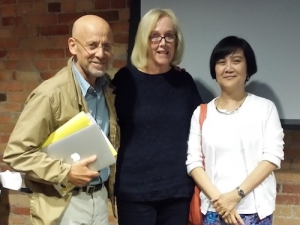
(33, 47)
(288, 182)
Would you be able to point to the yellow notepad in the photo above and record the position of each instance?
(78, 122)
(75, 124)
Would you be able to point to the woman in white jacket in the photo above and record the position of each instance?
(242, 143)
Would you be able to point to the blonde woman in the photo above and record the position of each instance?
(154, 103)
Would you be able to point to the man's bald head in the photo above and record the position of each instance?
(91, 45)
(90, 23)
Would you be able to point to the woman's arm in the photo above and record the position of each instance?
(195, 162)
(258, 175)
(204, 183)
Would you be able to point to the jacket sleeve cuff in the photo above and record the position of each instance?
(62, 178)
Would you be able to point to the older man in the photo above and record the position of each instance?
(82, 85)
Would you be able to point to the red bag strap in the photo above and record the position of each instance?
(202, 117)
(203, 112)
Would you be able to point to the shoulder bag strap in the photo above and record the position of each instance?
(202, 117)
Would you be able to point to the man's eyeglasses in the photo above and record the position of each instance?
(156, 38)
(93, 47)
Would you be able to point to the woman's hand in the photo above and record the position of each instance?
(177, 68)
(226, 203)
(234, 218)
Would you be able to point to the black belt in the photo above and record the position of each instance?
(90, 189)
(26, 190)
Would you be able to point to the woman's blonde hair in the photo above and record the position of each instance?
(139, 56)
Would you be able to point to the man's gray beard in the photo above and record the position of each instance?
(98, 73)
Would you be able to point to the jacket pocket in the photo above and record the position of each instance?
(41, 205)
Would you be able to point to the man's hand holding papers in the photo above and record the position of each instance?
(80, 174)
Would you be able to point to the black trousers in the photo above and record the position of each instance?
(173, 211)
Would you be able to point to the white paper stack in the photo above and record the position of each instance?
(11, 180)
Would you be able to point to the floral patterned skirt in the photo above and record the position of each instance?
(213, 218)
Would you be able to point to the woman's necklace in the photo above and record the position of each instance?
(225, 112)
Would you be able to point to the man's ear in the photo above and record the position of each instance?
(72, 46)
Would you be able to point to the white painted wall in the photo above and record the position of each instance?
(272, 27)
